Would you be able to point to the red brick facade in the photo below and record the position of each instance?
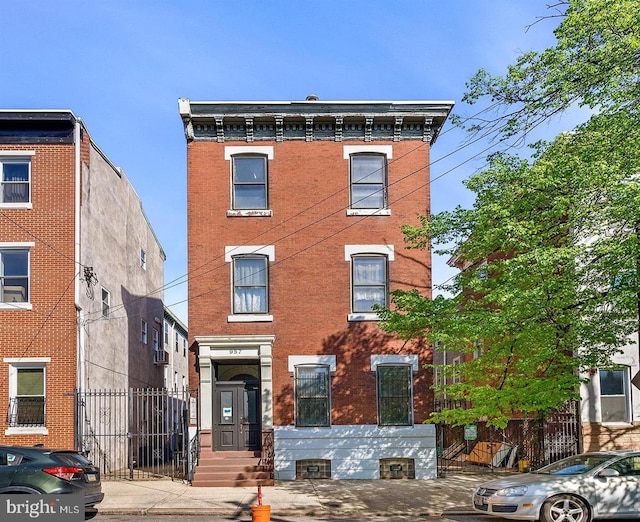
(316, 238)
(310, 279)
(48, 330)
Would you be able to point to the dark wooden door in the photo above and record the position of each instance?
(236, 416)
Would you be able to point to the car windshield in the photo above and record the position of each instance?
(575, 465)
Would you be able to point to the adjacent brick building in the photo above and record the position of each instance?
(294, 216)
(81, 273)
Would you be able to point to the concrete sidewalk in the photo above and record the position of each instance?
(305, 497)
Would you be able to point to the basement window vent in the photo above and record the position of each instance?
(313, 469)
(397, 469)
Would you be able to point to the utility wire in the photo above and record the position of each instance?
(190, 275)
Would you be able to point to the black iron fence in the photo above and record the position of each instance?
(523, 444)
(137, 433)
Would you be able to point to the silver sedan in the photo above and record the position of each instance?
(576, 489)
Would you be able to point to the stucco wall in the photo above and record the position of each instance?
(114, 230)
(355, 451)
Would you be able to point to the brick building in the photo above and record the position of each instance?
(79, 263)
(294, 216)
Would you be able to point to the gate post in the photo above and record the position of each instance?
(129, 434)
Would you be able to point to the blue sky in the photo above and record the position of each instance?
(121, 66)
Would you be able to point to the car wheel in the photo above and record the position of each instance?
(565, 508)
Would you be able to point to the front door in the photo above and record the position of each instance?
(236, 416)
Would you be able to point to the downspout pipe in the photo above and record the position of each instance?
(81, 356)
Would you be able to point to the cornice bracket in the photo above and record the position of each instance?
(397, 129)
(368, 128)
(309, 129)
(427, 133)
(220, 129)
(249, 129)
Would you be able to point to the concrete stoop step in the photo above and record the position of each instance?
(230, 469)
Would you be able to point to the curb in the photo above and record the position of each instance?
(246, 510)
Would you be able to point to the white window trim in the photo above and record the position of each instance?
(385, 250)
(318, 360)
(13, 155)
(250, 318)
(408, 360)
(351, 250)
(250, 213)
(349, 150)
(229, 151)
(19, 246)
(368, 212)
(262, 250)
(25, 362)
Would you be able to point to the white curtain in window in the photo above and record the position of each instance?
(369, 271)
(369, 277)
(249, 300)
(250, 292)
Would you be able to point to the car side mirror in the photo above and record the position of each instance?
(608, 472)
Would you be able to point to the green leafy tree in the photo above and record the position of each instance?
(549, 251)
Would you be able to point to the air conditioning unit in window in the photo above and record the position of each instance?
(161, 357)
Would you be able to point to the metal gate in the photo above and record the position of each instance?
(524, 443)
(137, 433)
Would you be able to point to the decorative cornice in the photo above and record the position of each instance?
(313, 121)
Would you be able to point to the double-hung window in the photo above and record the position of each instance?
(369, 277)
(14, 276)
(312, 395)
(143, 331)
(249, 167)
(395, 397)
(15, 179)
(249, 182)
(614, 395)
(368, 181)
(250, 284)
(27, 395)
